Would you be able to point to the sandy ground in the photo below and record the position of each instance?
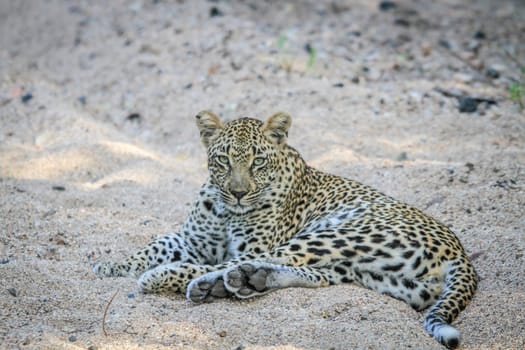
(99, 154)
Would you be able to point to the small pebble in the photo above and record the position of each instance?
(133, 117)
(338, 85)
(58, 188)
(214, 12)
(82, 100)
(72, 338)
(131, 295)
(309, 49)
(12, 291)
(402, 157)
(60, 241)
(235, 65)
(492, 73)
(222, 334)
(426, 49)
(479, 35)
(415, 97)
(49, 213)
(26, 97)
(468, 104)
(387, 5)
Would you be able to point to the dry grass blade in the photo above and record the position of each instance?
(106, 312)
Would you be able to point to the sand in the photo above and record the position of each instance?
(99, 154)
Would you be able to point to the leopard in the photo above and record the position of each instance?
(264, 220)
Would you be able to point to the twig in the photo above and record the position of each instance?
(472, 66)
(461, 94)
(106, 312)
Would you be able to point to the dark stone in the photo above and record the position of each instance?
(492, 73)
(402, 157)
(387, 5)
(134, 116)
(26, 97)
(338, 85)
(468, 104)
(479, 35)
(214, 12)
(58, 188)
(72, 338)
(308, 48)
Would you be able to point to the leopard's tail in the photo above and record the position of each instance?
(460, 285)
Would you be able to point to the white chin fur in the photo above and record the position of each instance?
(239, 210)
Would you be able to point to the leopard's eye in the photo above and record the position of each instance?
(259, 161)
(223, 160)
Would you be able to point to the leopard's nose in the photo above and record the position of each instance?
(239, 194)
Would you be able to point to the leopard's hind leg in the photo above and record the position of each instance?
(418, 292)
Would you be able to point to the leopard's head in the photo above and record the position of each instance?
(245, 158)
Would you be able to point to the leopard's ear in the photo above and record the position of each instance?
(276, 127)
(209, 126)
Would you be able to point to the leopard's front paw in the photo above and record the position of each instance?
(123, 269)
(106, 269)
(164, 278)
(207, 288)
(247, 280)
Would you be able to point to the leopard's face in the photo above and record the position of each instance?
(243, 161)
